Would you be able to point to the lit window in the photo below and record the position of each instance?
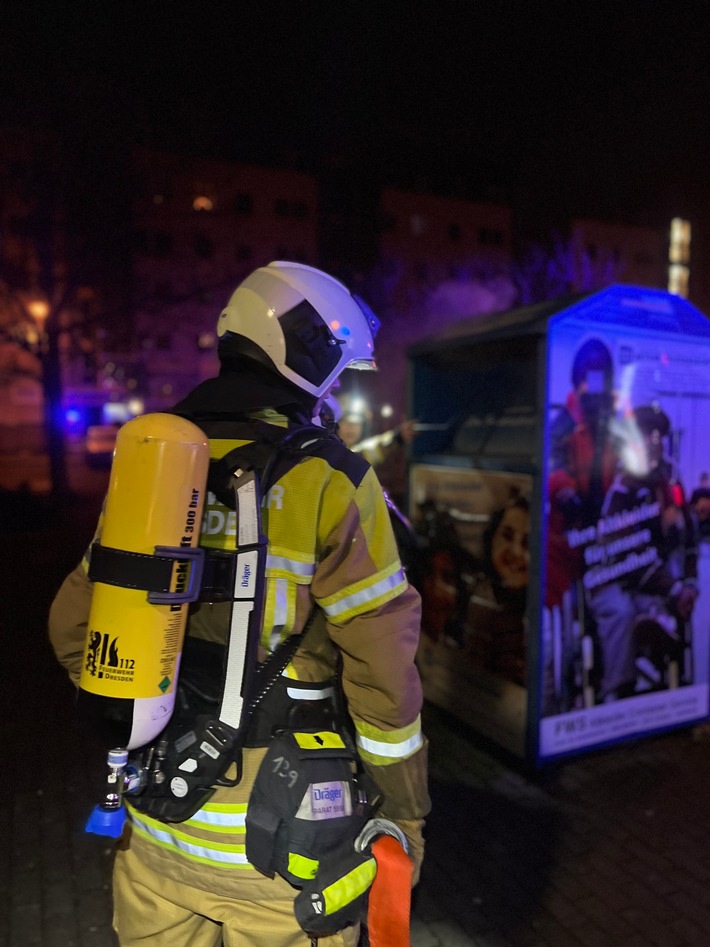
(206, 340)
(202, 203)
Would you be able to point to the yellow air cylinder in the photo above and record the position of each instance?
(134, 640)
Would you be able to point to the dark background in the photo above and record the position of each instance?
(558, 109)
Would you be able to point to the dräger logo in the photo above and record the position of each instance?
(246, 576)
(330, 794)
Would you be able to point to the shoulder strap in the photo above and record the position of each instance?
(243, 686)
(271, 454)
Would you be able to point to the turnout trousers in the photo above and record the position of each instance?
(151, 910)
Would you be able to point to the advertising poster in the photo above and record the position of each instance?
(626, 617)
(472, 575)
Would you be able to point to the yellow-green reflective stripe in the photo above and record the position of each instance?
(216, 854)
(388, 746)
(224, 807)
(302, 867)
(325, 740)
(227, 819)
(366, 598)
(300, 572)
(351, 886)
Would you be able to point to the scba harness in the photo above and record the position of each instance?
(311, 799)
(225, 699)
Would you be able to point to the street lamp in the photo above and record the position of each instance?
(47, 348)
(39, 310)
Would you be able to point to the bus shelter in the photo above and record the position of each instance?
(560, 489)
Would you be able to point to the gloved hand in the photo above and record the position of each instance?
(337, 897)
(412, 829)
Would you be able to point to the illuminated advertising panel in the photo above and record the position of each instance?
(626, 618)
(472, 574)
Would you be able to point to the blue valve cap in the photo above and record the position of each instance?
(106, 821)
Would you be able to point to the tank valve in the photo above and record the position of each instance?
(108, 817)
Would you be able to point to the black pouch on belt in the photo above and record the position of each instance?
(310, 795)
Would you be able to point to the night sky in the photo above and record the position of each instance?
(559, 109)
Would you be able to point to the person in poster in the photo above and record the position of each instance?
(640, 574)
(496, 617)
(439, 575)
(583, 460)
(477, 603)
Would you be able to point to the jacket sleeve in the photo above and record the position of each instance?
(69, 612)
(373, 617)
(68, 620)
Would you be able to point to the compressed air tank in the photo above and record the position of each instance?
(145, 567)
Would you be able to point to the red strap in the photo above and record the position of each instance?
(390, 895)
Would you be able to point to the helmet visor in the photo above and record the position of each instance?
(372, 320)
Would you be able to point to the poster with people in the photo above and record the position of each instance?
(626, 617)
(472, 572)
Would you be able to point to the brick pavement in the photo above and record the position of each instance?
(608, 849)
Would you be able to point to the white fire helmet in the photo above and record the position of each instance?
(302, 322)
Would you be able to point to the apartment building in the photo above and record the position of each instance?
(199, 226)
(605, 252)
(430, 237)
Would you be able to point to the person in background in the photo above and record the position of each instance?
(378, 447)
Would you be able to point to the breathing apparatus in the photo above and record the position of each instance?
(197, 744)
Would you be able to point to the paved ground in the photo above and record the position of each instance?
(610, 849)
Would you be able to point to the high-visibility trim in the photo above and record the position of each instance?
(301, 572)
(216, 854)
(350, 887)
(324, 740)
(277, 595)
(383, 747)
(296, 693)
(367, 597)
(226, 819)
(302, 867)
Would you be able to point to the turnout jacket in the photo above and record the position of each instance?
(330, 544)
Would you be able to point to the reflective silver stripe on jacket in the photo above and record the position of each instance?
(293, 566)
(393, 750)
(364, 596)
(217, 854)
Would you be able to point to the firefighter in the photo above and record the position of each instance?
(285, 335)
